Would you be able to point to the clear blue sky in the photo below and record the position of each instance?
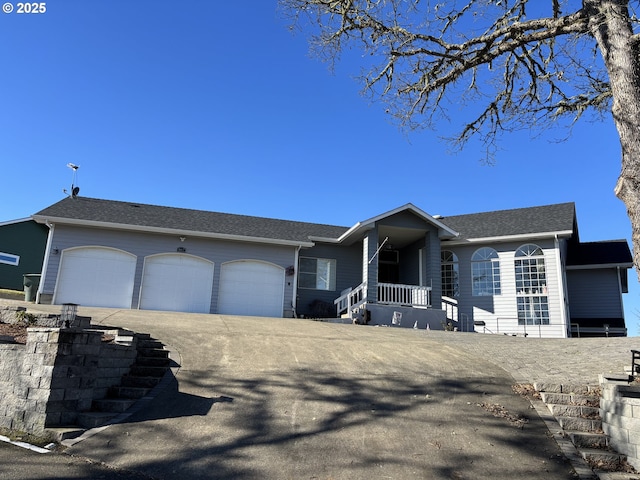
(218, 106)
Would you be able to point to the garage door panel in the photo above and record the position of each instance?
(176, 282)
(251, 288)
(96, 277)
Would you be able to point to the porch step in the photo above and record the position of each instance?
(589, 439)
(153, 352)
(59, 434)
(90, 420)
(113, 405)
(153, 361)
(574, 411)
(127, 392)
(580, 424)
(570, 399)
(145, 371)
(597, 456)
(139, 381)
(149, 343)
(151, 364)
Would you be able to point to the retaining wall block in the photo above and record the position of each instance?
(634, 437)
(65, 349)
(38, 335)
(87, 383)
(72, 394)
(46, 348)
(29, 382)
(93, 350)
(616, 434)
(56, 394)
(52, 418)
(619, 421)
(38, 394)
(67, 418)
(68, 382)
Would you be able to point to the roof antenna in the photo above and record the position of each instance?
(74, 189)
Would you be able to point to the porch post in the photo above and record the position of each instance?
(370, 270)
(432, 266)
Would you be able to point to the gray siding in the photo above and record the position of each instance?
(594, 293)
(503, 307)
(348, 274)
(142, 245)
(410, 263)
(433, 276)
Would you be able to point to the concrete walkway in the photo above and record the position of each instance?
(278, 398)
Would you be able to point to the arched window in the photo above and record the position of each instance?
(485, 272)
(531, 286)
(449, 270)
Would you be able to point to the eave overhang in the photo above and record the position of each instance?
(511, 238)
(169, 231)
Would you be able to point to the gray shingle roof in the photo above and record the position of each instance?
(520, 221)
(545, 219)
(181, 219)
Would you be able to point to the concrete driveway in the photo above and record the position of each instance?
(259, 398)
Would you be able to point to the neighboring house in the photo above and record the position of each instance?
(22, 245)
(521, 271)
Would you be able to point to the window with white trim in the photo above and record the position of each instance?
(449, 272)
(317, 273)
(485, 272)
(531, 286)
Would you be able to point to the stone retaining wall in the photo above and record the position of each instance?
(620, 412)
(56, 375)
(18, 315)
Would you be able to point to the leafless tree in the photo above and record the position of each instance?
(514, 64)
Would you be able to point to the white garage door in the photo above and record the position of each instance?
(251, 288)
(95, 277)
(177, 282)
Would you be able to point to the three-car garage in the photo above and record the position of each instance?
(106, 277)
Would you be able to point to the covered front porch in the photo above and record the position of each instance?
(395, 304)
(401, 279)
(385, 266)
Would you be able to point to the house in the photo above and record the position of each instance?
(521, 271)
(22, 245)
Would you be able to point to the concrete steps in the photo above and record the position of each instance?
(576, 409)
(151, 364)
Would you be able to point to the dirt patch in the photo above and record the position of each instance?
(10, 333)
(526, 390)
(499, 411)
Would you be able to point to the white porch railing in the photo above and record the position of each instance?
(351, 299)
(406, 295)
(388, 294)
(450, 306)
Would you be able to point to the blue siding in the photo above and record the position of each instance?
(594, 293)
(348, 274)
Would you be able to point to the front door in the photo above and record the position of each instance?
(389, 266)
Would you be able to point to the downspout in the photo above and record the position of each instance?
(624, 320)
(45, 261)
(562, 287)
(294, 299)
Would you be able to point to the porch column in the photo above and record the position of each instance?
(433, 268)
(370, 270)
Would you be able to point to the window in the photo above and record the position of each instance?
(485, 272)
(317, 273)
(531, 286)
(449, 271)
